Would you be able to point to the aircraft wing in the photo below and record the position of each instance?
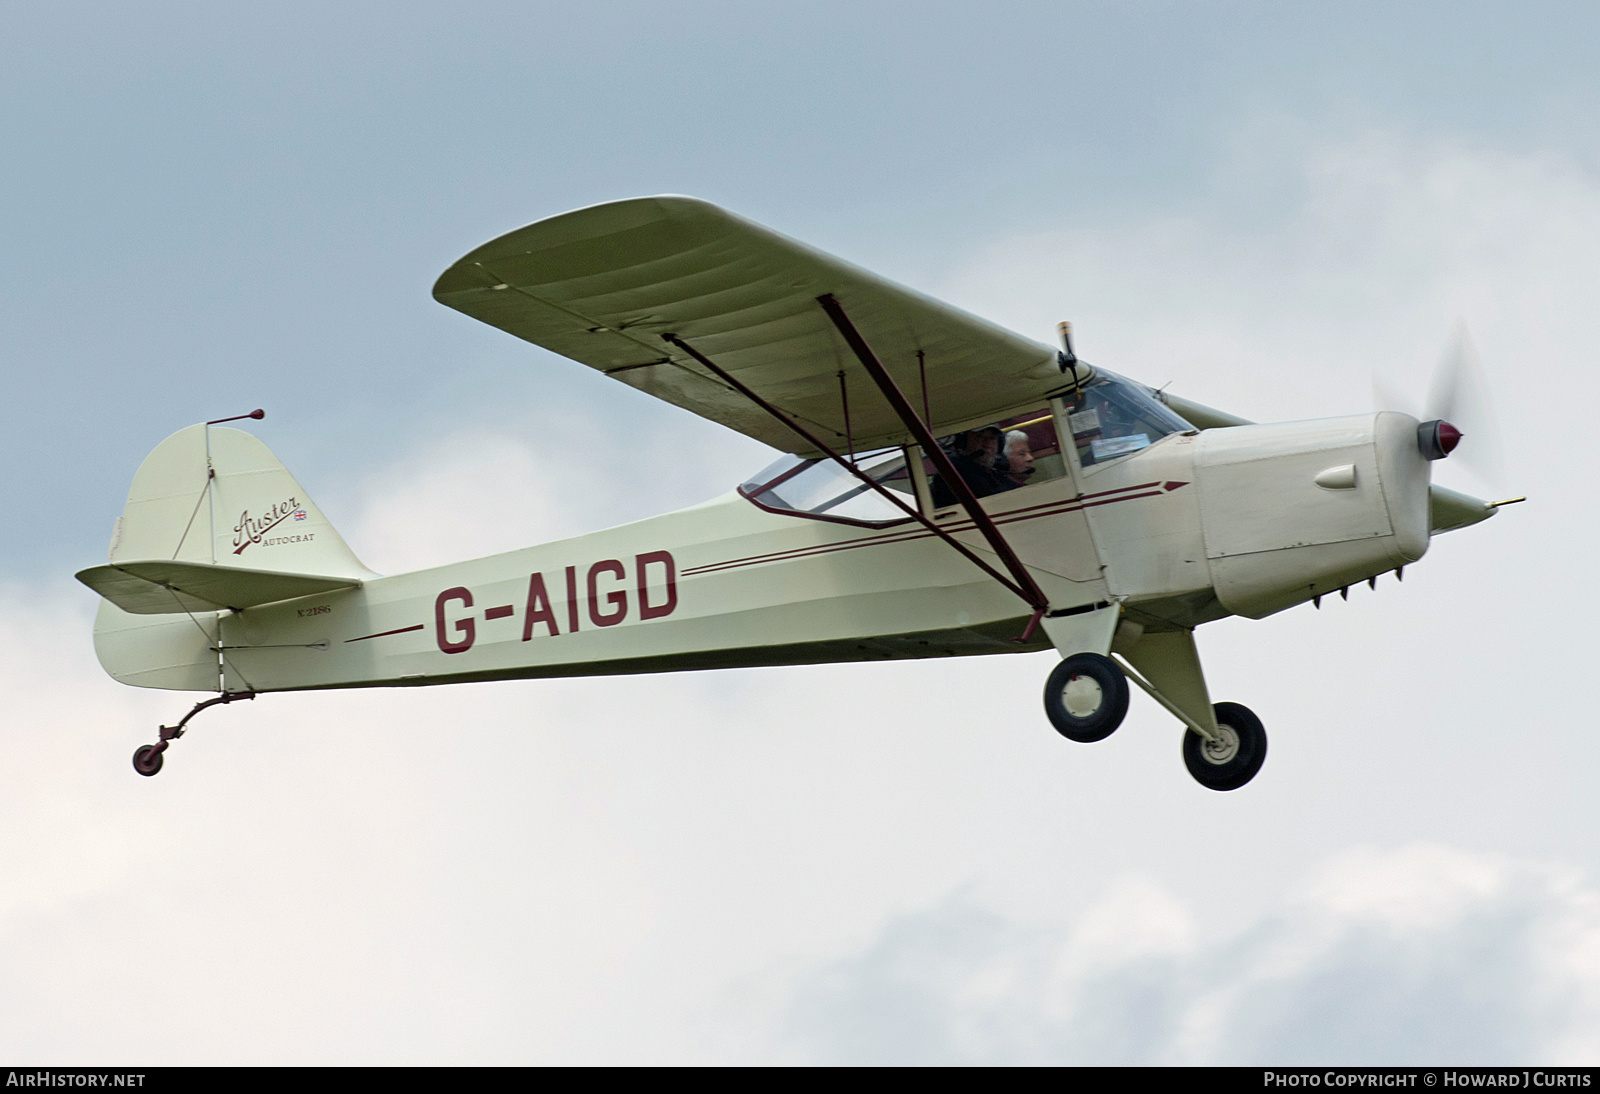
(1200, 415)
(602, 284)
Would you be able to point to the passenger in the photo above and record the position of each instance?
(1018, 462)
(974, 454)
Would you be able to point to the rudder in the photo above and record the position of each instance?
(214, 520)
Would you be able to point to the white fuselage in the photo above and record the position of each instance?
(1192, 528)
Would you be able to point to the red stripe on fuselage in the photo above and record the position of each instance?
(900, 535)
(384, 634)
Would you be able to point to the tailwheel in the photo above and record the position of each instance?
(147, 758)
(1233, 759)
(1086, 697)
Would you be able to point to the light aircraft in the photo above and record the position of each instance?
(947, 488)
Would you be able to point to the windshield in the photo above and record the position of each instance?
(824, 490)
(1113, 417)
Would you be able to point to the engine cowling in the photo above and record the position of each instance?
(1299, 509)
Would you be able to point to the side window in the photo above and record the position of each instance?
(1005, 455)
(823, 490)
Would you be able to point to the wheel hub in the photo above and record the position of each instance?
(1082, 696)
(1223, 749)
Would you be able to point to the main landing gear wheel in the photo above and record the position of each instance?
(1086, 697)
(1234, 757)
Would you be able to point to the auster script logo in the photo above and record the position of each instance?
(254, 529)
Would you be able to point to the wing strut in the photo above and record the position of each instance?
(1034, 598)
(1025, 586)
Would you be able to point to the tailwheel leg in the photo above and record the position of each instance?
(147, 759)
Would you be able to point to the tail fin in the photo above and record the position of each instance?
(214, 521)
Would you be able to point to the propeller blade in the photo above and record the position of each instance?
(1459, 394)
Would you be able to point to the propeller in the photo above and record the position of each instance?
(1459, 394)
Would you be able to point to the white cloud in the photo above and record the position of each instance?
(1309, 267)
(466, 497)
(1420, 955)
(569, 469)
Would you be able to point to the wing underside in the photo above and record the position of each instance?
(602, 285)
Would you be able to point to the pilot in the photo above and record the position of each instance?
(975, 454)
(1017, 458)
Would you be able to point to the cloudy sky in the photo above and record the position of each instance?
(210, 210)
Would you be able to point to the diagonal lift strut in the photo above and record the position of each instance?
(1025, 586)
(1035, 599)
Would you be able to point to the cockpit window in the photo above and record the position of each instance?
(823, 490)
(1110, 417)
(1004, 455)
(1113, 417)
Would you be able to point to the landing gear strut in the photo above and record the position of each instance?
(147, 758)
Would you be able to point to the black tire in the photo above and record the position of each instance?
(1098, 700)
(1233, 762)
(147, 759)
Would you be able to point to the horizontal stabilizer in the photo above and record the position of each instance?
(163, 586)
